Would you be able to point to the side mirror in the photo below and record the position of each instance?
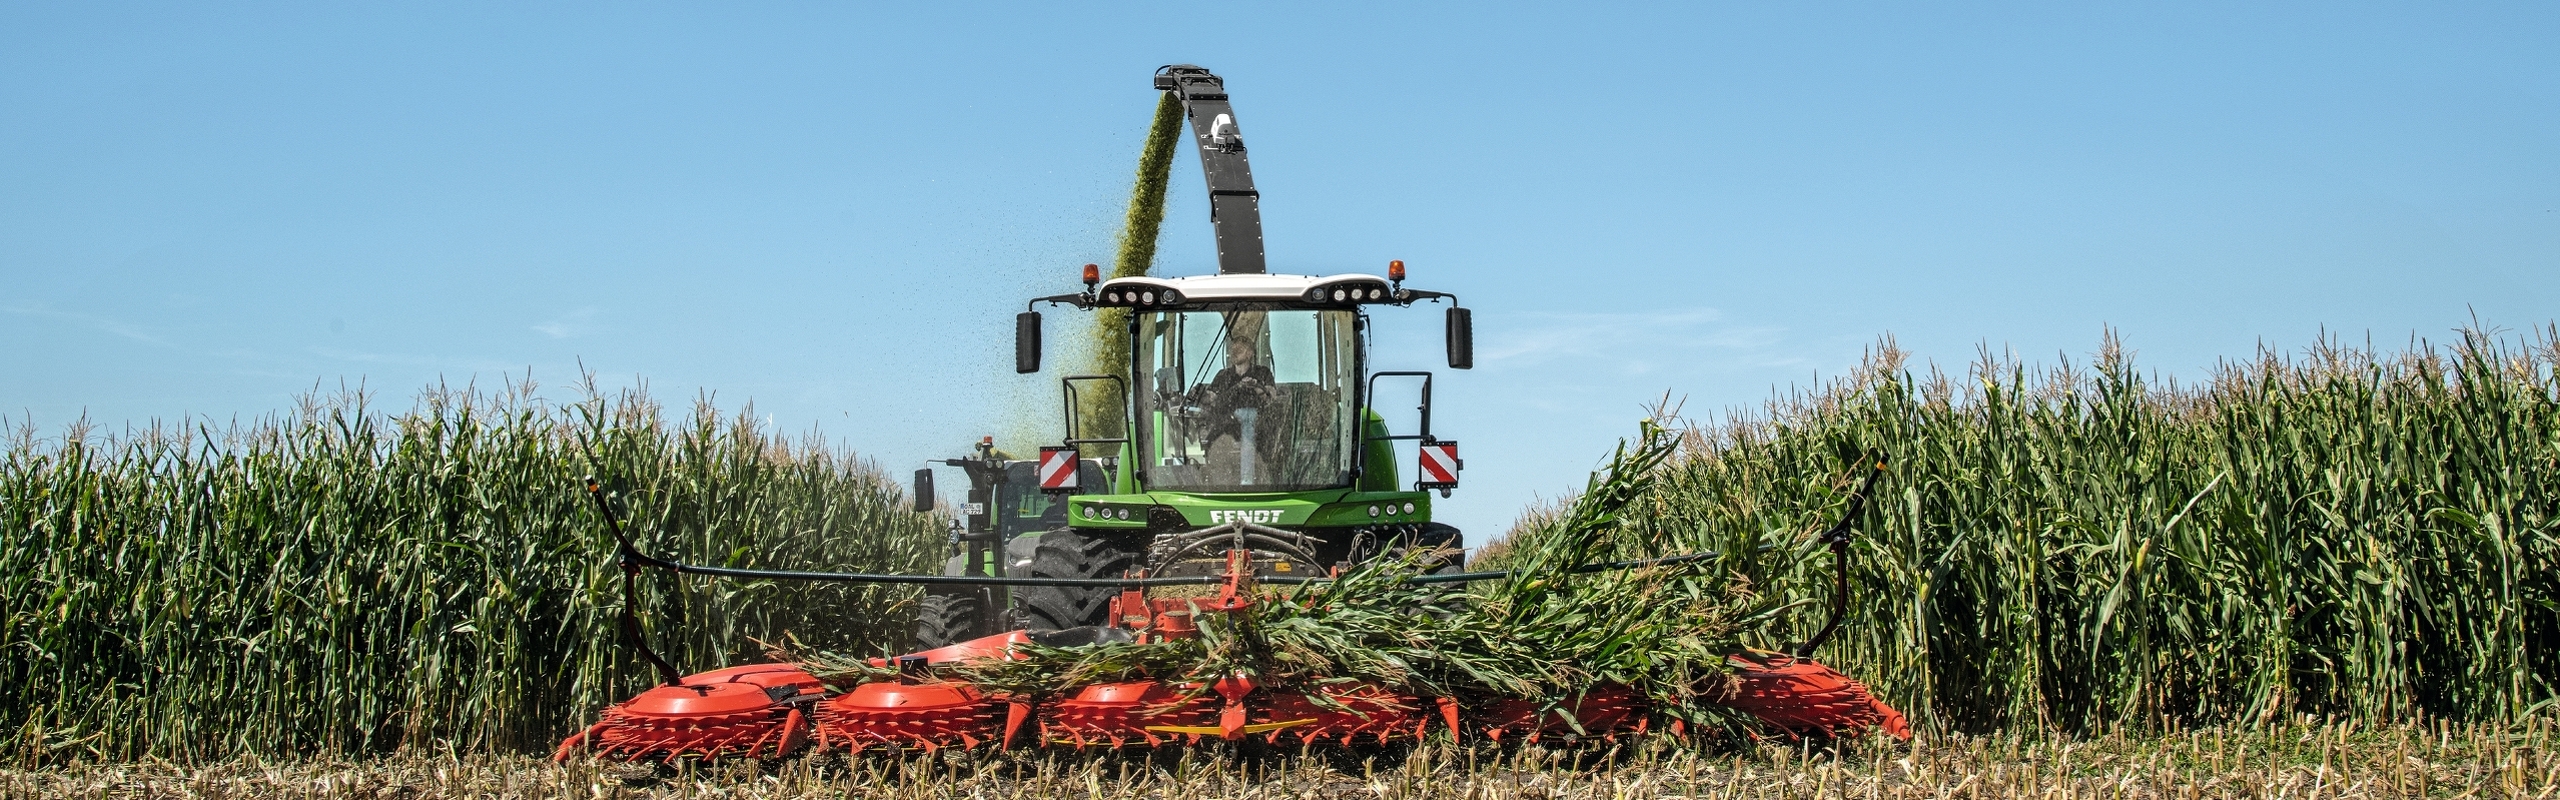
(924, 490)
(1462, 338)
(1026, 342)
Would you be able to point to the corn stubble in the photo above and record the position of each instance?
(343, 580)
(2284, 759)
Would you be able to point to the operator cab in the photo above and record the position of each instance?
(1245, 383)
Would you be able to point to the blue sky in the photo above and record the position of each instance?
(832, 211)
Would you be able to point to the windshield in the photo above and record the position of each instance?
(1246, 399)
(1022, 508)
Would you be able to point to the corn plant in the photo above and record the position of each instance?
(339, 579)
(2344, 532)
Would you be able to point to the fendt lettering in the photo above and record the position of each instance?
(1259, 516)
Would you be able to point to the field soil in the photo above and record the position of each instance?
(2298, 761)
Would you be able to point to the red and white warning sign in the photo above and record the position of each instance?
(1440, 465)
(1057, 469)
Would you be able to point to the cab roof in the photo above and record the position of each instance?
(1267, 287)
(1295, 291)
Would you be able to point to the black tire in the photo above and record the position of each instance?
(1434, 536)
(1441, 536)
(1065, 553)
(946, 619)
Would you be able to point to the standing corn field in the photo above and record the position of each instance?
(2345, 533)
(343, 580)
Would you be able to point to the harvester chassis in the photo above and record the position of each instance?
(1089, 577)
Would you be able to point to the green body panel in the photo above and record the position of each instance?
(1378, 465)
(1124, 481)
(1128, 507)
(1321, 508)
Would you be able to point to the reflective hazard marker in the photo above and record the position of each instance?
(1057, 469)
(1440, 465)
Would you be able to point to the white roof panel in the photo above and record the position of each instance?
(1209, 288)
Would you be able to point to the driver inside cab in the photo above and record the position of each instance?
(1234, 397)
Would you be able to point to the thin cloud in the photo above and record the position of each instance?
(575, 323)
(1630, 342)
(442, 363)
(111, 326)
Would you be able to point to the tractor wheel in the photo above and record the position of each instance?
(1436, 535)
(946, 619)
(1065, 553)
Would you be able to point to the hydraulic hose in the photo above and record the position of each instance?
(1838, 538)
(631, 558)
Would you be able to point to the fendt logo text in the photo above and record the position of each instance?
(1259, 515)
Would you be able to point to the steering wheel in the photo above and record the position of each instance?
(1181, 410)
